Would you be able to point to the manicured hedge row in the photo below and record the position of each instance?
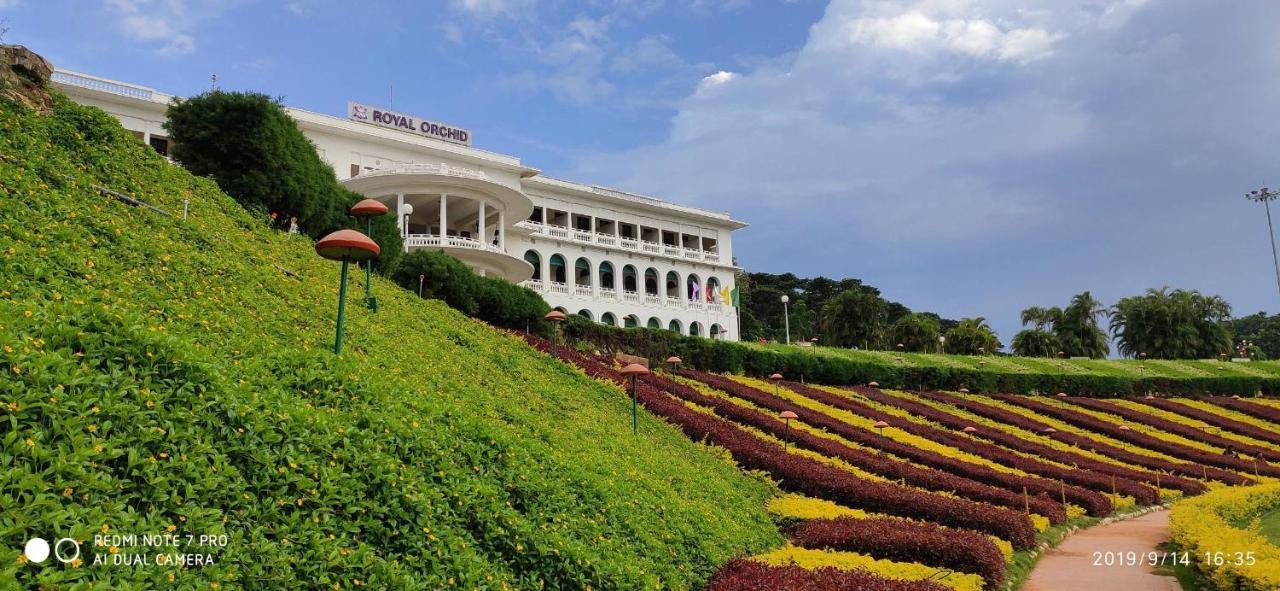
(1009, 482)
(1256, 411)
(1217, 420)
(747, 575)
(1114, 431)
(811, 477)
(1168, 426)
(1208, 528)
(734, 357)
(1089, 472)
(891, 468)
(1179, 470)
(896, 539)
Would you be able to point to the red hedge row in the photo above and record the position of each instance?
(1214, 419)
(1113, 430)
(1179, 470)
(905, 541)
(1093, 502)
(1089, 473)
(892, 468)
(811, 477)
(1168, 426)
(746, 575)
(1257, 411)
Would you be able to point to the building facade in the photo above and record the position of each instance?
(614, 257)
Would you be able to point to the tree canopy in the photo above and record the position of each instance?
(1072, 331)
(1171, 324)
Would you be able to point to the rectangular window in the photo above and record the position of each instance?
(355, 170)
(160, 144)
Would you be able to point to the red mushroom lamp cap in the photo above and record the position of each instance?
(674, 360)
(348, 244)
(367, 209)
(1049, 430)
(873, 384)
(775, 376)
(1124, 427)
(964, 390)
(969, 430)
(635, 369)
(1235, 397)
(554, 316)
(881, 424)
(1062, 394)
(786, 414)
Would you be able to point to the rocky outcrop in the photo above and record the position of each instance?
(24, 77)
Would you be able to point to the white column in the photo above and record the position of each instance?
(544, 215)
(444, 216)
(480, 226)
(502, 230)
(400, 213)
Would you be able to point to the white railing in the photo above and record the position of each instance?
(630, 296)
(582, 290)
(600, 238)
(717, 308)
(695, 304)
(534, 284)
(557, 287)
(675, 302)
(428, 240)
(608, 292)
(103, 84)
(652, 300)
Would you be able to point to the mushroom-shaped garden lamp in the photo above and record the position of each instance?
(970, 431)
(345, 246)
(786, 417)
(632, 372)
(367, 210)
(881, 425)
(555, 317)
(775, 377)
(673, 362)
(873, 384)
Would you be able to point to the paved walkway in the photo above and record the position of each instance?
(1071, 566)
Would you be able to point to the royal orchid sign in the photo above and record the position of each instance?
(409, 123)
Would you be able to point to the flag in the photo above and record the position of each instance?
(733, 295)
(724, 295)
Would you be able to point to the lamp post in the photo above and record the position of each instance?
(786, 315)
(942, 344)
(633, 371)
(1266, 195)
(422, 278)
(970, 431)
(881, 426)
(367, 210)
(775, 377)
(1048, 432)
(786, 417)
(673, 362)
(345, 246)
(555, 317)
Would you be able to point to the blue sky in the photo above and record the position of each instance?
(969, 157)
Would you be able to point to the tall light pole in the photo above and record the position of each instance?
(786, 315)
(1266, 195)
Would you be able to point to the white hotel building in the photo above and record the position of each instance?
(615, 257)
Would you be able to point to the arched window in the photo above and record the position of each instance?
(674, 326)
(561, 309)
(608, 319)
(654, 323)
(606, 275)
(582, 271)
(717, 331)
(694, 290)
(585, 314)
(557, 268)
(629, 278)
(695, 329)
(673, 284)
(713, 290)
(531, 256)
(631, 321)
(651, 281)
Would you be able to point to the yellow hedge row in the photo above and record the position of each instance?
(1205, 527)
(906, 571)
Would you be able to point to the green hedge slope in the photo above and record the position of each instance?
(162, 375)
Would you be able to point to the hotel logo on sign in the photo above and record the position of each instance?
(409, 123)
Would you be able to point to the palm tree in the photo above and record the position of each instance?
(1177, 324)
(1078, 327)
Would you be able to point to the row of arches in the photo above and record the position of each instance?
(630, 281)
(632, 321)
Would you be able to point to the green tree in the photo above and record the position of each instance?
(257, 154)
(855, 318)
(916, 332)
(1177, 324)
(1261, 331)
(1078, 328)
(441, 277)
(972, 336)
(1035, 342)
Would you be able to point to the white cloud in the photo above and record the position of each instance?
(153, 28)
(8, 3)
(714, 80)
(168, 23)
(451, 32)
(914, 31)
